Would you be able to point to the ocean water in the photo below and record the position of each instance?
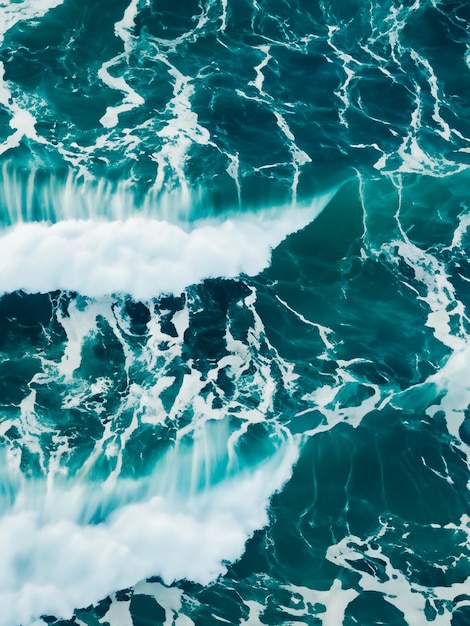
(234, 312)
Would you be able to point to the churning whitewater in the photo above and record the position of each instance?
(234, 312)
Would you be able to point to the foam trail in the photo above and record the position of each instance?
(452, 382)
(132, 99)
(180, 132)
(22, 122)
(410, 598)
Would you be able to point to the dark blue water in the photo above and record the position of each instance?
(234, 313)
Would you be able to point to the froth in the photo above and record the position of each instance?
(176, 538)
(140, 257)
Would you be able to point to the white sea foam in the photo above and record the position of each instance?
(452, 381)
(181, 131)
(22, 122)
(132, 99)
(176, 538)
(409, 597)
(141, 257)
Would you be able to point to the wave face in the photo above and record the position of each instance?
(234, 312)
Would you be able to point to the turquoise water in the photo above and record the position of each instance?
(234, 328)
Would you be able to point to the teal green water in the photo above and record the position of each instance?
(234, 329)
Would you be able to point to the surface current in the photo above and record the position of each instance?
(234, 321)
